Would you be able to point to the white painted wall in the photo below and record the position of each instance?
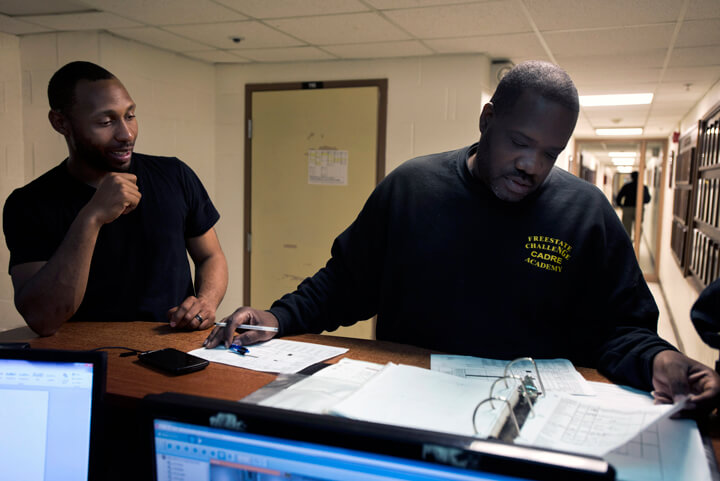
(175, 98)
(434, 105)
(12, 168)
(679, 292)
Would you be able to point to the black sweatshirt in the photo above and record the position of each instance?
(448, 266)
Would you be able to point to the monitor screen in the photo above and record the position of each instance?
(184, 451)
(46, 413)
(213, 440)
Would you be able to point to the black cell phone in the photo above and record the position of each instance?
(173, 361)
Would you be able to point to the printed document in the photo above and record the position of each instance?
(589, 425)
(275, 355)
(672, 449)
(319, 392)
(558, 375)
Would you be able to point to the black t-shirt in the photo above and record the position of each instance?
(139, 267)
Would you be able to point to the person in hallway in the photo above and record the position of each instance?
(104, 235)
(627, 198)
(491, 251)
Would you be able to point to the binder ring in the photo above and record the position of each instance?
(523, 388)
(537, 373)
(512, 414)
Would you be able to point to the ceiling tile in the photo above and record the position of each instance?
(216, 56)
(583, 128)
(80, 21)
(293, 8)
(495, 46)
(574, 14)
(254, 34)
(17, 27)
(168, 12)
(613, 41)
(340, 29)
(292, 54)
(679, 95)
(159, 38)
(395, 4)
(670, 107)
(627, 115)
(699, 9)
(689, 74)
(588, 80)
(696, 33)
(663, 122)
(610, 63)
(697, 88)
(40, 7)
(619, 88)
(377, 50)
(461, 20)
(695, 56)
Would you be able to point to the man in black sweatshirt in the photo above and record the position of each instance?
(491, 251)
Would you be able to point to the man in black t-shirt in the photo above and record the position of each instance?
(104, 236)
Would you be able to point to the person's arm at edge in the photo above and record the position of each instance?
(211, 280)
(48, 293)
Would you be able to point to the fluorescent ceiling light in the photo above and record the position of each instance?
(631, 131)
(626, 155)
(615, 99)
(623, 161)
(624, 169)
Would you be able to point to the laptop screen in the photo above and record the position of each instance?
(212, 440)
(47, 400)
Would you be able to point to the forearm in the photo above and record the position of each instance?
(211, 278)
(54, 293)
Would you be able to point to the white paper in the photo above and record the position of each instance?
(558, 375)
(423, 399)
(671, 450)
(327, 167)
(330, 385)
(275, 355)
(588, 425)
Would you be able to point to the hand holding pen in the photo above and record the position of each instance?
(243, 327)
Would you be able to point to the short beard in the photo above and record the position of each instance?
(95, 159)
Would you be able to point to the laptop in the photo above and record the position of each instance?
(50, 404)
(211, 440)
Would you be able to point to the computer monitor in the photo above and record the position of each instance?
(50, 405)
(212, 440)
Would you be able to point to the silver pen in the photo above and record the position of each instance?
(250, 327)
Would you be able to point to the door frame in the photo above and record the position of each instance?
(381, 84)
(643, 141)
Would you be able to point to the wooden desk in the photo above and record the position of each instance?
(128, 381)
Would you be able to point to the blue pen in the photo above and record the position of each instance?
(237, 348)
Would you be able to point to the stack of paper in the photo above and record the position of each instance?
(419, 398)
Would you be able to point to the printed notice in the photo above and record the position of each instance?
(327, 167)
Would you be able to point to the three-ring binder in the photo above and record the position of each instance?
(515, 406)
